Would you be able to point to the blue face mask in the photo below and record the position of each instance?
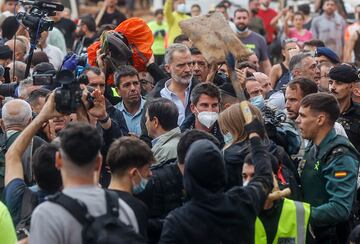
(181, 8)
(228, 139)
(258, 101)
(137, 189)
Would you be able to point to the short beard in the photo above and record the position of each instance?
(180, 80)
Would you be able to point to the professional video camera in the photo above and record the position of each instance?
(279, 131)
(36, 21)
(68, 96)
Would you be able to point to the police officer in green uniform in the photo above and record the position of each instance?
(330, 170)
(342, 79)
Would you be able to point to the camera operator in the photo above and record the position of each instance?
(96, 79)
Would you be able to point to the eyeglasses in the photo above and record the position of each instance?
(144, 82)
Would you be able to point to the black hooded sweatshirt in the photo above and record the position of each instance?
(212, 216)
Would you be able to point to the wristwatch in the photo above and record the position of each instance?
(103, 121)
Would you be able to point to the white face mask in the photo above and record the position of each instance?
(207, 118)
(181, 8)
(245, 183)
(228, 139)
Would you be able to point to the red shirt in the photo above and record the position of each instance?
(266, 16)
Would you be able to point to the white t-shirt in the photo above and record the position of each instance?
(55, 55)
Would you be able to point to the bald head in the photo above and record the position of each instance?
(16, 113)
(264, 81)
(20, 49)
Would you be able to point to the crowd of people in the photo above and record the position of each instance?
(123, 132)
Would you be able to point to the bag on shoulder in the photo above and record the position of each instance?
(28, 204)
(103, 229)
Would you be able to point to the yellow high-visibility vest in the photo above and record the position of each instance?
(293, 223)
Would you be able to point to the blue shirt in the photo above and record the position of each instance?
(166, 93)
(132, 121)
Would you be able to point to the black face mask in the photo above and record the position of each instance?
(255, 11)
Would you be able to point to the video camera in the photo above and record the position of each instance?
(36, 20)
(68, 95)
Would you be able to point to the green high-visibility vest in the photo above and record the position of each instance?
(114, 92)
(292, 224)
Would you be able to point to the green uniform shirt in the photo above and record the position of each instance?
(159, 44)
(330, 186)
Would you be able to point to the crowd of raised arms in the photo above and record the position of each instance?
(120, 126)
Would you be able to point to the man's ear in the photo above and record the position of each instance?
(356, 91)
(321, 119)
(167, 68)
(192, 107)
(58, 161)
(156, 122)
(98, 162)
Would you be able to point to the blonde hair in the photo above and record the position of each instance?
(232, 120)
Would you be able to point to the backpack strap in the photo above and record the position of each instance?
(29, 201)
(112, 203)
(75, 207)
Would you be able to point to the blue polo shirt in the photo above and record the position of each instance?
(132, 121)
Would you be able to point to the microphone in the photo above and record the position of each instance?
(43, 5)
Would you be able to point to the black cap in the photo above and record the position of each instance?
(344, 73)
(5, 52)
(44, 68)
(228, 89)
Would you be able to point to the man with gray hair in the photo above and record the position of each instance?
(178, 63)
(16, 115)
(303, 64)
(19, 73)
(18, 47)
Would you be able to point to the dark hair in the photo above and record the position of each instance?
(306, 86)
(221, 5)
(322, 102)
(334, 1)
(241, 10)
(126, 152)
(304, 8)
(247, 64)
(204, 88)
(36, 94)
(188, 138)
(9, 27)
(196, 6)
(123, 71)
(195, 51)
(297, 59)
(166, 112)
(315, 43)
(39, 57)
(89, 21)
(81, 143)
(181, 38)
(159, 11)
(47, 176)
(94, 69)
(299, 13)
